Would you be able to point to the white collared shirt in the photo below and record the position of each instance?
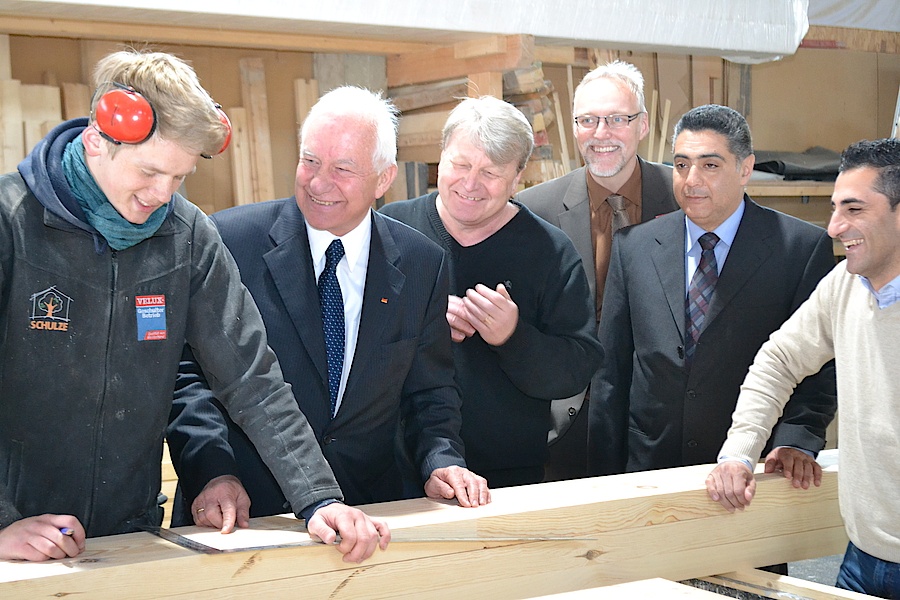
(351, 274)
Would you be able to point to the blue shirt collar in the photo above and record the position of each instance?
(726, 231)
(887, 295)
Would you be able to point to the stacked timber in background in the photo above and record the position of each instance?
(424, 111)
(29, 112)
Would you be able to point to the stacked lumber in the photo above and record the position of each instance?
(530, 541)
(425, 108)
(29, 111)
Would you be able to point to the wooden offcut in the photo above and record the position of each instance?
(530, 541)
(256, 103)
(421, 129)
(770, 585)
(41, 112)
(306, 94)
(486, 84)
(414, 97)
(76, 100)
(440, 63)
(12, 136)
(486, 46)
(241, 159)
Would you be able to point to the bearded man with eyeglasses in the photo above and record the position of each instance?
(610, 120)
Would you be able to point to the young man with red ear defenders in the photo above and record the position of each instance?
(123, 115)
(105, 273)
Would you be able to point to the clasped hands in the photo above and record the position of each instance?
(490, 313)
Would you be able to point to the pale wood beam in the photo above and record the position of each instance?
(198, 36)
(495, 44)
(486, 84)
(530, 541)
(440, 63)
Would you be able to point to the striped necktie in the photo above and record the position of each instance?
(700, 292)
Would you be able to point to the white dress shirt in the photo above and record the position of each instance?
(351, 274)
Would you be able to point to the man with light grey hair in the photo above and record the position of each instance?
(615, 188)
(519, 309)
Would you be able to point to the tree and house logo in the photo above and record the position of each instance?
(50, 310)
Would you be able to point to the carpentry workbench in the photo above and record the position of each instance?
(530, 541)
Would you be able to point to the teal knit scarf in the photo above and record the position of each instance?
(118, 231)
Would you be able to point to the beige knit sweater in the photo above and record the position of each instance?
(841, 320)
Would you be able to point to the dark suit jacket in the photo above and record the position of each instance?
(402, 368)
(647, 411)
(564, 202)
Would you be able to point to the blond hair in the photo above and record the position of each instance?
(185, 112)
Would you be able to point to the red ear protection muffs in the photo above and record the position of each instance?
(228, 130)
(124, 116)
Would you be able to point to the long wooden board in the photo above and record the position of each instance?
(620, 528)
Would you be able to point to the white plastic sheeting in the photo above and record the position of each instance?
(880, 15)
(740, 30)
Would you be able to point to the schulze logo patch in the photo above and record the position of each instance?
(151, 317)
(50, 310)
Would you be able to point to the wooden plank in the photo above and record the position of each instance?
(306, 94)
(485, 84)
(411, 182)
(439, 63)
(646, 588)
(333, 70)
(895, 127)
(41, 107)
(616, 529)
(651, 138)
(201, 36)
(674, 79)
(429, 153)
(241, 161)
(770, 585)
(421, 129)
(413, 97)
(791, 188)
(524, 81)
(560, 55)
(706, 80)
(5, 59)
(91, 52)
(664, 132)
(256, 103)
(485, 46)
(76, 100)
(563, 141)
(12, 136)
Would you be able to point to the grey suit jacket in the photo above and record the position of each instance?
(564, 202)
(648, 411)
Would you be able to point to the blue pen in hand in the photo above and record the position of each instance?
(66, 530)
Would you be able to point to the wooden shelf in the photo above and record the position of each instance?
(769, 189)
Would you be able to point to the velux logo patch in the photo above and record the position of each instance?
(151, 317)
(50, 310)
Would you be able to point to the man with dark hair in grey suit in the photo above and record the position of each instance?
(689, 300)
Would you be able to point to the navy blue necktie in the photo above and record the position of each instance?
(332, 303)
(700, 292)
